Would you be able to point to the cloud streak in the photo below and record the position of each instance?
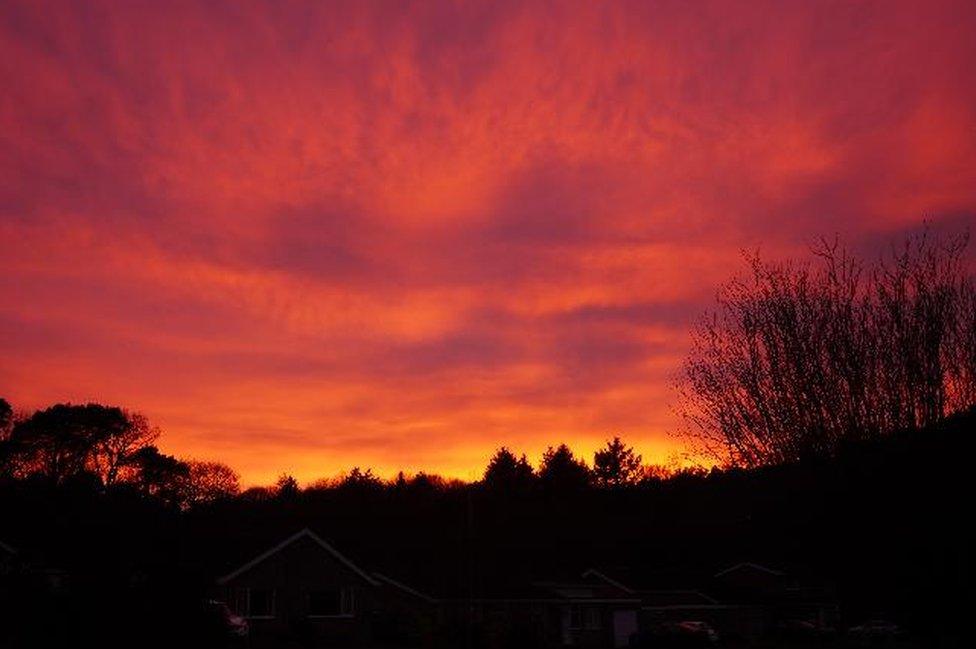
(306, 235)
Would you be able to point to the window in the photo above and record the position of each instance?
(585, 617)
(331, 602)
(575, 618)
(591, 617)
(260, 602)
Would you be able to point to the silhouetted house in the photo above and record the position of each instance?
(671, 597)
(589, 611)
(782, 596)
(750, 582)
(304, 590)
(732, 621)
(743, 602)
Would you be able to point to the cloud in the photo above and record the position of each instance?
(303, 236)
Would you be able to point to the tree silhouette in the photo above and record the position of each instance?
(400, 482)
(65, 440)
(159, 475)
(286, 487)
(616, 465)
(112, 452)
(6, 419)
(426, 483)
(359, 480)
(801, 357)
(507, 472)
(209, 482)
(6, 446)
(560, 470)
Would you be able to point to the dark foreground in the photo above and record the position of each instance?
(787, 556)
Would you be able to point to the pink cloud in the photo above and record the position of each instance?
(303, 236)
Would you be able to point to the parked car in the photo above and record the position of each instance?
(218, 624)
(699, 630)
(800, 628)
(687, 633)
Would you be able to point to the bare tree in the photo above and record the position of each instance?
(799, 357)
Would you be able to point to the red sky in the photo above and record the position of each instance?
(306, 236)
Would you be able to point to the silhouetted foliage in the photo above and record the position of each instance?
(507, 472)
(560, 470)
(97, 447)
(209, 482)
(655, 474)
(427, 483)
(66, 440)
(7, 455)
(257, 494)
(361, 481)
(113, 452)
(801, 357)
(616, 465)
(159, 475)
(6, 419)
(400, 481)
(286, 487)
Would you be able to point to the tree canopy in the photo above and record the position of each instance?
(107, 446)
(800, 357)
(561, 470)
(616, 464)
(506, 471)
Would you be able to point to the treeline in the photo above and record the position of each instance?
(105, 448)
(616, 465)
(109, 448)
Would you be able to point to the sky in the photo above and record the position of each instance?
(302, 237)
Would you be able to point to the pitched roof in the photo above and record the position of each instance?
(599, 575)
(666, 598)
(751, 566)
(407, 589)
(6, 548)
(304, 533)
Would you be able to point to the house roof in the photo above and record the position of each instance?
(403, 587)
(6, 548)
(304, 533)
(666, 598)
(750, 566)
(591, 573)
